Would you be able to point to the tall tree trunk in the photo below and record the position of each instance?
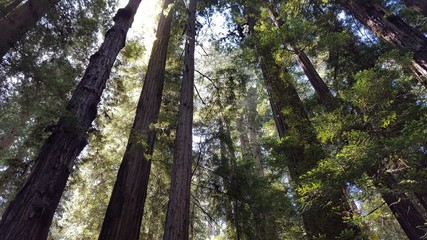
(126, 207)
(9, 8)
(243, 137)
(30, 214)
(418, 5)
(177, 217)
(322, 90)
(318, 219)
(20, 20)
(406, 214)
(422, 199)
(254, 143)
(409, 218)
(392, 29)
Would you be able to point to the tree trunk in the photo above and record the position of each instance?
(126, 207)
(9, 8)
(20, 20)
(418, 5)
(406, 214)
(393, 30)
(177, 217)
(30, 214)
(422, 199)
(254, 143)
(318, 219)
(243, 137)
(322, 90)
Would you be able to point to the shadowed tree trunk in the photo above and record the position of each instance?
(418, 5)
(126, 207)
(409, 218)
(30, 214)
(177, 217)
(319, 219)
(9, 8)
(406, 214)
(322, 90)
(20, 20)
(392, 29)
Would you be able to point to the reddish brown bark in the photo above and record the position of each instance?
(322, 90)
(177, 217)
(406, 214)
(318, 219)
(410, 219)
(20, 20)
(418, 5)
(126, 207)
(30, 214)
(392, 29)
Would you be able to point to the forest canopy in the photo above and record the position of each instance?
(213, 119)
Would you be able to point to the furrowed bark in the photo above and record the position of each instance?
(9, 8)
(20, 20)
(30, 214)
(393, 30)
(418, 5)
(409, 218)
(406, 214)
(177, 217)
(126, 207)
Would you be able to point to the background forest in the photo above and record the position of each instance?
(213, 119)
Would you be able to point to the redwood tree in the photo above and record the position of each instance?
(392, 29)
(318, 219)
(30, 214)
(177, 217)
(20, 20)
(126, 207)
(322, 90)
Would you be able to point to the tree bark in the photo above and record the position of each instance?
(20, 20)
(322, 90)
(406, 214)
(243, 137)
(177, 217)
(9, 8)
(418, 5)
(393, 30)
(254, 143)
(318, 219)
(30, 214)
(126, 207)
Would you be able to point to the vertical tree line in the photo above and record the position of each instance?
(252, 150)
